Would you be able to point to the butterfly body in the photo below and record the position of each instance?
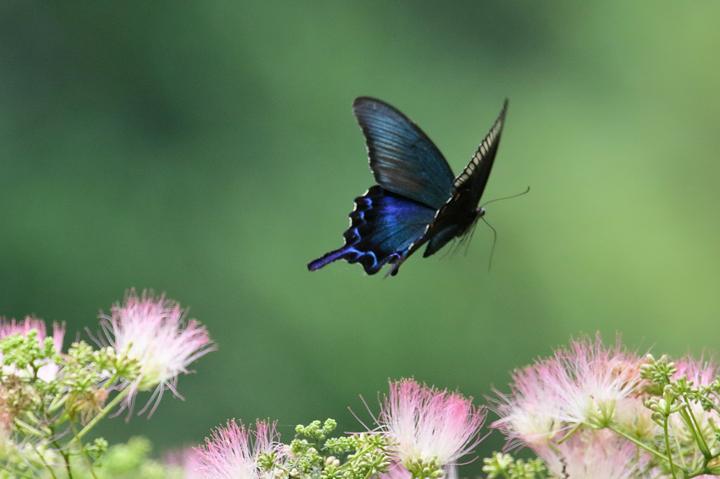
(417, 200)
(449, 226)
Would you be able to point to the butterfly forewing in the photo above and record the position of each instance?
(402, 157)
(475, 175)
(457, 216)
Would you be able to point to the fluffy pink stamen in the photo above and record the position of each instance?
(154, 331)
(8, 327)
(231, 454)
(428, 424)
(595, 455)
(577, 385)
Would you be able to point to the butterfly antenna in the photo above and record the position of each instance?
(495, 236)
(527, 190)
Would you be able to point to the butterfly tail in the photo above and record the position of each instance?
(328, 258)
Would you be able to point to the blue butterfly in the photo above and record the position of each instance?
(417, 199)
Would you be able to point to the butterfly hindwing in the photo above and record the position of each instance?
(402, 157)
(383, 226)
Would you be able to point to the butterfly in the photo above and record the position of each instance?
(417, 200)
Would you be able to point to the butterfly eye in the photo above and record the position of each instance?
(480, 212)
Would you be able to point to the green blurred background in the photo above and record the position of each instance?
(207, 149)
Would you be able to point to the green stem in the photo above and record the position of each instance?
(64, 454)
(101, 415)
(32, 430)
(699, 438)
(667, 447)
(84, 453)
(640, 444)
(57, 403)
(66, 458)
(42, 459)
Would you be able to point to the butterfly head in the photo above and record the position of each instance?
(479, 213)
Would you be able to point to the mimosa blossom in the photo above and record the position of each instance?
(232, 452)
(594, 455)
(154, 331)
(429, 425)
(580, 385)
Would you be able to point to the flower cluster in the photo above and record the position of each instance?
(421, 432)
(51, 398)
(591, 411)
(588, 411)
(557, 406)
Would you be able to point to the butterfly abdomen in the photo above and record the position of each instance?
(453, 221)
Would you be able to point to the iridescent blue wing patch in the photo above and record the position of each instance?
(383, 226)
(402, 157)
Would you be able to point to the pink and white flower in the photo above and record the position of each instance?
(591, 454)
(429, 425)
(186, 461)
(530, 414)
(598, 379)
(700, 372)
(232, 452)
(8, 327)
(396, 471)
(581, 385)
(154, 331)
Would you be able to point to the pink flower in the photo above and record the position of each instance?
(581, 385)
(186, 461)
(530, 414)
(701, 373)
(429, 425)
(596, 379)
(231, 454)
(396, 471)
(154, 331)
(8, 327)
(592, 454)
